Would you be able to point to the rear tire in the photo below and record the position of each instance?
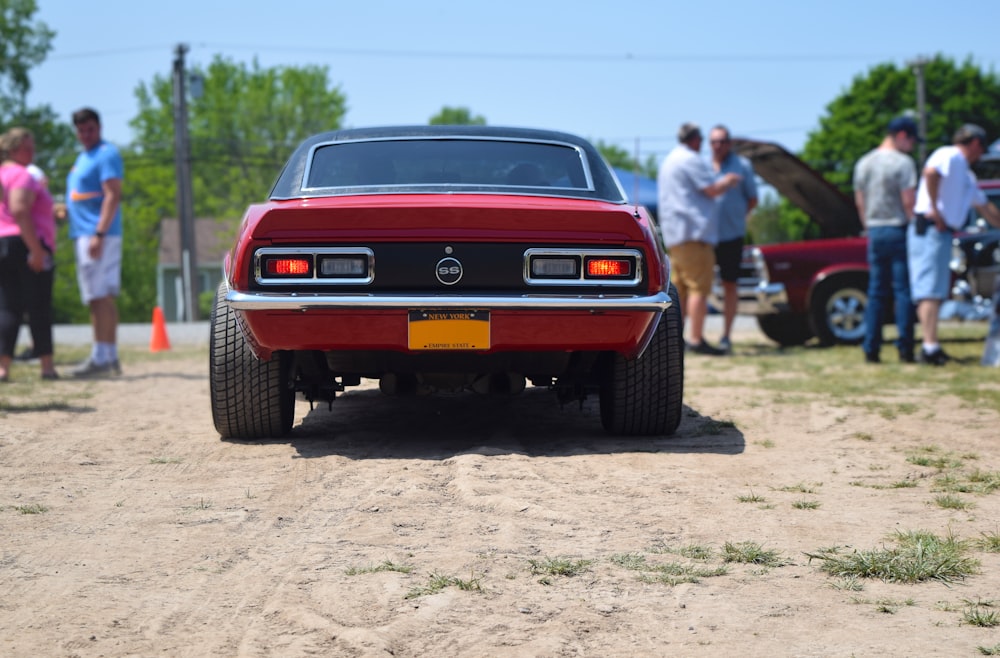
(251, 399)
(644, 396)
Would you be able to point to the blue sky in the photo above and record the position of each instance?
(627, 72)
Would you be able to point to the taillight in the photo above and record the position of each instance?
(600, 268)
(582, 267)
(289, 267)
(343, 266)
(314, 266)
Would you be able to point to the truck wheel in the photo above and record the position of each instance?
(644, 396)
(786, 329)
(838, 311)
(251, 399)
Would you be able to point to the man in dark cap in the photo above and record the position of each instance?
(947, 189)
(885, 185)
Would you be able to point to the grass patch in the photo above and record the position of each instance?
(988, 542)
(803, 375)
(916, 557)
(438, 582)
(748, 552)
(385, 565)
(670, 573)
(806, 504)
(31, 508)
(751, 498)
(559, 566)
(948, 501)
(983, 617)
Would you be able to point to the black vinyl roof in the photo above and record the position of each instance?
(591, 176)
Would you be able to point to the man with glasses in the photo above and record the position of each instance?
(733, 207)
(947, 189)
(885, 183)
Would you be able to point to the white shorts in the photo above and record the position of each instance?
(102, 277)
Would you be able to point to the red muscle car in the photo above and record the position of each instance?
(447, 258)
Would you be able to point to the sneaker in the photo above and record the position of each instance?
(91, 368)
(935, 358)
(725, 345)
(116, 367)
(872, 357)
(907, 357)
(704, 348)
(50, 376)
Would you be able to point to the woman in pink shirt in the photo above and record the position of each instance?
(27, 241)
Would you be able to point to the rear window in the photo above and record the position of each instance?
(477, 163)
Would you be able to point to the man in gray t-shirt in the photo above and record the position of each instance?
(885, 182)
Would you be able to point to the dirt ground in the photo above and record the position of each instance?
(435, 526)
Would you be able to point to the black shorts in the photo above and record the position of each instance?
(728, 256)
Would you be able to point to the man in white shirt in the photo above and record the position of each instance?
(947, 189)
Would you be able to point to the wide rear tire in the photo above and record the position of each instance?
(644, 396)
(251, 399)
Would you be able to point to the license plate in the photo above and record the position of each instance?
(449, 329)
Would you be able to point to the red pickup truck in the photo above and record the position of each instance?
(818, 288)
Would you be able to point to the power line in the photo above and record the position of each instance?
(682, 58)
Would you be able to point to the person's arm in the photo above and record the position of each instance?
(722, 185)
(20, 201)
(112, 189)
(859, 201)
(908, 198)
(990, 213)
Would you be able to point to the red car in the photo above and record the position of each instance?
(446, 258)
(819, 288)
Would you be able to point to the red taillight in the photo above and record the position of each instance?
(608, 267)
(288, 266)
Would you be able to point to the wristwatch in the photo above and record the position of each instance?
(99, 234)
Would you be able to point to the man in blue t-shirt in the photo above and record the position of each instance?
(93, 203)
(732, 208)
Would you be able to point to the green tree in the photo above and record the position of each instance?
(25, 43)
(855, 121)
(242, 129)
(456, 116)
(619, 157)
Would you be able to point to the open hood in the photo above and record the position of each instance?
(831, 209)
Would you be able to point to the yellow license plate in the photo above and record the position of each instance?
(449, 329)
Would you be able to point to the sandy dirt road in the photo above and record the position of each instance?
(437, 526)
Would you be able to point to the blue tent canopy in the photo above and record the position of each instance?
(639, 189)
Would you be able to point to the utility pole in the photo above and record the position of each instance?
(918, 70)
(185, 202)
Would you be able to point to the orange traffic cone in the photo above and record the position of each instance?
(159, 341)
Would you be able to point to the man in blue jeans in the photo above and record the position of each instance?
(885, 182)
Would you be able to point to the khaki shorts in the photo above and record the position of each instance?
(693, 267)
